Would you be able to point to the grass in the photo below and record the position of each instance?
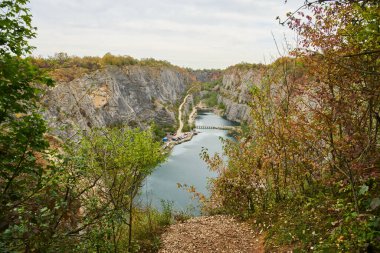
(150, 224)
(322, 221)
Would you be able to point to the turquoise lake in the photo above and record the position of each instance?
(185, 166)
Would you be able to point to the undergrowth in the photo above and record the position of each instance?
(323, 221)
(150, 224)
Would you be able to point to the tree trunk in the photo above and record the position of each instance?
(130, 224)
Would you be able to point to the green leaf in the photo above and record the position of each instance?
(375, 203)
(363, 189)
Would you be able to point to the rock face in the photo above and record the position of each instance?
(133, 95)
(235, 111)
(137, 95)
(206, 75)
(234, 92)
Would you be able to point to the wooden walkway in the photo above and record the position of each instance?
(217, 127)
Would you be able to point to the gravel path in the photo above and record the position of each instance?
(211, 234)
(179, 131)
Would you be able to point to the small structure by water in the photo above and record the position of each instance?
(185, 166)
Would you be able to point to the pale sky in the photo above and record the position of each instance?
(187, 33)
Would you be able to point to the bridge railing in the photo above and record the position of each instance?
(216, 127)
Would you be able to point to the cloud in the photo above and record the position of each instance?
(197, 33)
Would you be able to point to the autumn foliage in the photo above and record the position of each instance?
(64, 68)
(308, 166)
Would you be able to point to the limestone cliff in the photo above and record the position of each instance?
(234, 92)
(137, 95)
(134, 95)
(206, 75)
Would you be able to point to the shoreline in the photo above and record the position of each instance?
(183, 137)
(191, 119)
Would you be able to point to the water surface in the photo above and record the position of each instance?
(185, 166)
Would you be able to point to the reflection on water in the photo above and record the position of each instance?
(185, 166)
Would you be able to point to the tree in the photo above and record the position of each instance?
(119, 159)
(21, 128)
(44, 194)
(341, 45)
(312, 148)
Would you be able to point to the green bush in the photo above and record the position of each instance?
(222, 106)
(209, 86)
(161, 131)
(323, 220)
(211, 99)
(150, 224)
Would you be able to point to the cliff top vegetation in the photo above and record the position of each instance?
(63, 67)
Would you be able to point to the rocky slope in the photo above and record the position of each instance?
(137, 95)
(234, 92)
(206, 75)
(133, 95)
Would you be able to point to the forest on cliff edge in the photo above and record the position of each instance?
(304, 172)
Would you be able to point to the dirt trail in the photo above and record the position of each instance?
(179, 131)
(211, 234)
